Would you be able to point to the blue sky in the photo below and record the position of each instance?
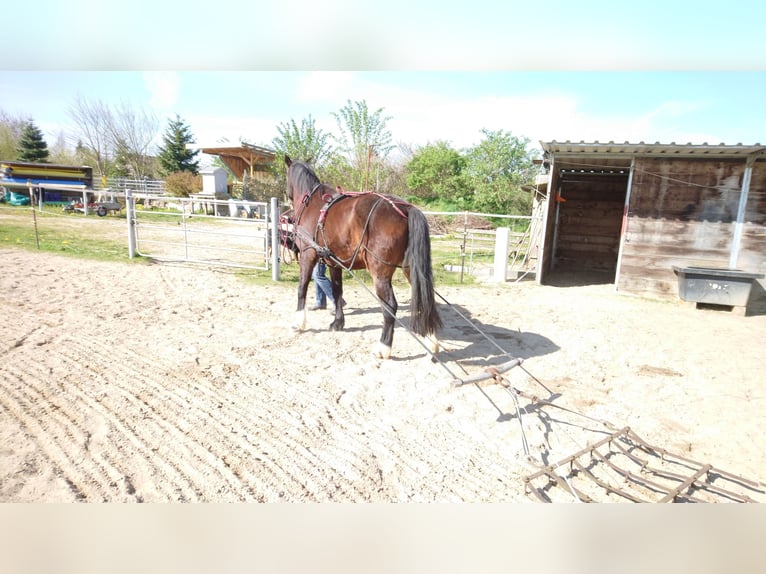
(362, 34)
(678, 71)
(689, 106)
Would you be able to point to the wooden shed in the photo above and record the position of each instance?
(245, 160)
(628, 213)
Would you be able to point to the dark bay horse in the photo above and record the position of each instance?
(363, 230)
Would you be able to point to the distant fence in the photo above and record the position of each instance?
(144, 186)
(468, 243)
(237, 233)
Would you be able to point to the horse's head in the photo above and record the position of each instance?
(289, 192)
(301, 179)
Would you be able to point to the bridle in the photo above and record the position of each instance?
(304, 202)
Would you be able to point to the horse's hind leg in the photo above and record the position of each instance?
(385, 292)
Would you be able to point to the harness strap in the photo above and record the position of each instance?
(329, 201)
(305, 201)
(323, 252)
(386, 198)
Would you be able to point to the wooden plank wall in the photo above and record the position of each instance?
(752, 255)
(590, 221)
(682, 212)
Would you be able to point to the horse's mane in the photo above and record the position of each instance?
(305, 177)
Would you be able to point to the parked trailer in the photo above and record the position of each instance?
(100, 207)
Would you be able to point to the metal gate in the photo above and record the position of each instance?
(232, 233)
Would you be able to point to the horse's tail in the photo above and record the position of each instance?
(425, 318)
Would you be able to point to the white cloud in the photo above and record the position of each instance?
(164, 88)
(329, 87)
(543, 118)
(420, 116)
(211, 131)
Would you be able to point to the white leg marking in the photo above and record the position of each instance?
(381, 351)
(300, 320)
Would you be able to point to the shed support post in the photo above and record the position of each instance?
(624, 229)
(740, 222)
(541, 258)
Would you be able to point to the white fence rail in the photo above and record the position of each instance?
(145, 186)
(179, 232)
(239, 233)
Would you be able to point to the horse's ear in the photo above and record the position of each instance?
(288, 161)
(309, 160)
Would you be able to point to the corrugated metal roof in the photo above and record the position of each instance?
(657, 149)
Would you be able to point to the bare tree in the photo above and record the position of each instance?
(61, 153)
(132, 132)
(93, 138)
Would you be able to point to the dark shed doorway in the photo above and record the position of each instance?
(589, 206)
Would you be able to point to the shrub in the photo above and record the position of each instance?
(183, 183)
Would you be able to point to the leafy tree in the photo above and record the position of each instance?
(304, 142)
(338, 171)
(32, 146)
(10, 132)
(121, 164)
(364, 140)
(436, 172)
(174, 155)
(497, 167)
(183, 183)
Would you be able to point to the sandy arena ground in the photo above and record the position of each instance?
(124, 382)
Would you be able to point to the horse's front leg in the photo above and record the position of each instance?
(336, 277)
(306, 266)
(388, 304)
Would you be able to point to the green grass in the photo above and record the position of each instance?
(17, 230)
(55, 241)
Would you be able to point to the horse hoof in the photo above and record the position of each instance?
(433, 344)
(300, 321)
(381, 351)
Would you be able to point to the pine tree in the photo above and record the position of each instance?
(32, 146)
(174, 156)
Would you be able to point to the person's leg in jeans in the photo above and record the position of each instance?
(322, 285)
